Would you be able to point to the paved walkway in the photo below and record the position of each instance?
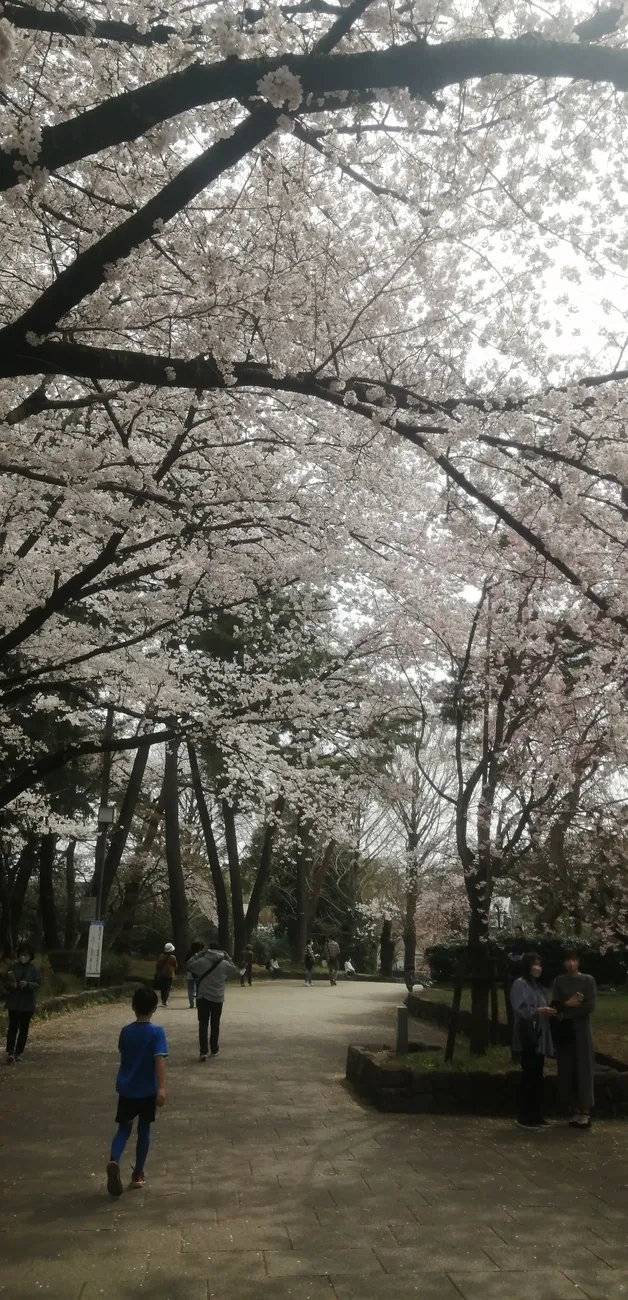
(267, 1181)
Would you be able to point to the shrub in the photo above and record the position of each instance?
(71, 961)
(606, 967)
(67, 961)
(115, 968)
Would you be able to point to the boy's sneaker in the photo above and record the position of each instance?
(114, 1181)
(203, 1056)
(10, 1058)
(137, 1180)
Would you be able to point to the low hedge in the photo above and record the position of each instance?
(73, 1001)
(408, 1089)
(608, 967)
(440, 1013)
(115, 967)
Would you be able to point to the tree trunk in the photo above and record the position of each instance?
(176, 883)
(117, 843)
(235, 879)
(318, 882)
(101, 841)
(125, 917)
(480, 973)
(301, 902)
(24, 871)
(218, 880)
(263, 871)
(387, 949)
(70, 895)
(47, 903)
(6, 937)
(412, 896)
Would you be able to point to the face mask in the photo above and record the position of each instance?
(536, 972)
(24, 960)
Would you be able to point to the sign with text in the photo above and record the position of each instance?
(94, 950)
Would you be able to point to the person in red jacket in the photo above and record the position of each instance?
(165, 972)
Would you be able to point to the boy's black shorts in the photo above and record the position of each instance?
(129, 1107)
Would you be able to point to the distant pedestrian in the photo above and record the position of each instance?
(211, 970)
(409, 976)
(273, 967)
(196, 947)
(246, 966)
(140, 1085)
(22, 983)
(310, 962)
(350, 970)
(532, 1039)
(332, 954)
(573, 996)
(165, 972)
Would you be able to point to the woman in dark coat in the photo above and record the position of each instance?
(21, 986)
(532, 1040)
(573, 997)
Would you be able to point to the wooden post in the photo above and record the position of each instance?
(402, 1030)
(455, 1012)
(494, 1010)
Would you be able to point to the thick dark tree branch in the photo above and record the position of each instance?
(65, 592)
(418, 65)
(64, 23)
(67, 24)
(32, 773)
(88, 270)
(80, 362)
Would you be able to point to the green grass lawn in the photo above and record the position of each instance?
(610, 1022)
(497, 1061)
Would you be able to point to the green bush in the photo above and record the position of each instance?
(71, 961)
(115, 968)
(57, 984)
(607, 967)
(67, 961)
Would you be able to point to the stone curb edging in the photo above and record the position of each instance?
(68, 1001)
(403, 1089)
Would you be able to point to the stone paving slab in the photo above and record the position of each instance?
(549, 1285)
(267, 1180)
(602, 1285)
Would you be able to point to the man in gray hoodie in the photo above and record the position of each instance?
(211, 970)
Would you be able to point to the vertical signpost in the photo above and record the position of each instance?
(94, 950)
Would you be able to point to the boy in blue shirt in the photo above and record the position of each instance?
(141, 1087)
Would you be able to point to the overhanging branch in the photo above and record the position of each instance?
(204, 372)
(417, 65)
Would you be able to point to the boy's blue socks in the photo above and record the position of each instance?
(120, 1141)
(143, 1144)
